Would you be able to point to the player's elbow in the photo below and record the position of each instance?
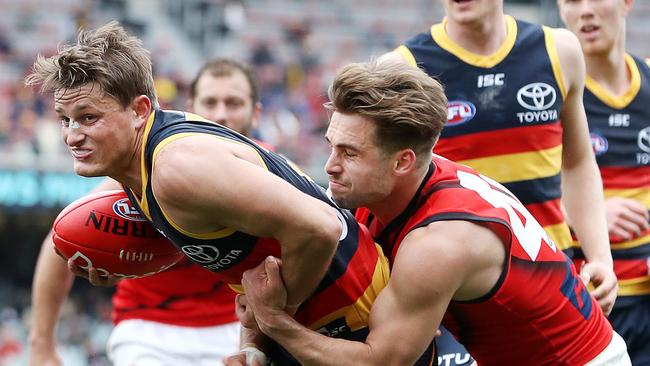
(326, 230)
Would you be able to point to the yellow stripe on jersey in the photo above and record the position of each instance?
(617, 101)
(561, 235)
(144, 205)
(356, 315)
(635, 286)
(439, 34)
(634, 243)
(406, 55)
(237, 288)
(640, 194)
(519, 166)
(551, 49)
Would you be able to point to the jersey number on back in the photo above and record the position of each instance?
(529, 235)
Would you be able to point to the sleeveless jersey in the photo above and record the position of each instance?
(340, 304)
(503, 113)
(620, 136)
(539, 312)
(185, 295)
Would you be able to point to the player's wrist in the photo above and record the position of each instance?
(274, 321)
(41, 341)
(253, 354)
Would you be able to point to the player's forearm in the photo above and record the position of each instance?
(312, 348)
(52, 281)
(306, 257)
(583, 200)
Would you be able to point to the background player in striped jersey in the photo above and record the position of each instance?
(463, 249)
(617, 94)
(199, 308)
(508, 80)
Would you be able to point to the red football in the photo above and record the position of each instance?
(103, 230)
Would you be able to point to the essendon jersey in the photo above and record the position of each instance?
(503, 113)
(620, 134)
(539, 312)
(185, 295)
(358, 271)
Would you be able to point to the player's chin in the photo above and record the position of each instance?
(88, 170)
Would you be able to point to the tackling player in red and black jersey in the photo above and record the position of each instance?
(464, 251)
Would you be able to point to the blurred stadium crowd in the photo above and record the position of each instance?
(293, 45)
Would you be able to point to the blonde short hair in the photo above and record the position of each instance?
(107, 56)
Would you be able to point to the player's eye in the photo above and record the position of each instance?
(88, 119)
(65, 122)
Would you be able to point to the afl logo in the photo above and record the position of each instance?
(599, 144)
(536, 96)
(459, 112)
(644, 139)
(124, 210)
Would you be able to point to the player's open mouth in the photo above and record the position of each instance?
(589, 30)
(80, 154)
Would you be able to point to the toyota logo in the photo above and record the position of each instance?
(201, 253)
(536, 96)
(644, 139)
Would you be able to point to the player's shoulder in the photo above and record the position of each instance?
(565, 41)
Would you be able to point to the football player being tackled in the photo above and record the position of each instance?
(224, 200)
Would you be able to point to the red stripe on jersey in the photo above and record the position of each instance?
(348, 288)
(631, 268)
(506, 141)
(547, 213)
(625, 177)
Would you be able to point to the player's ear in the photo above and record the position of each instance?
(257, 114)
(405, 161)
(141, 106)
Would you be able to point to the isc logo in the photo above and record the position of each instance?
(459, 111)
(490, 80)
(124, 209)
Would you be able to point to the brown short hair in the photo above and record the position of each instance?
(226, 67)
(108, 56)
(408, 107)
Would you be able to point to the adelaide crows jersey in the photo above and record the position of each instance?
(620, 134)
(503, 113)
(538, 312)
(357, 273)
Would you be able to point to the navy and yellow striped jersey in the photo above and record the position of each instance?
(503, 113)
(620, 134)
(340, 305)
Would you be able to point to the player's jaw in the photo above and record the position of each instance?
(470, 11)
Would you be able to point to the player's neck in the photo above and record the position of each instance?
(610, 70)
(130, 174)
(483, 37)
(394, 204)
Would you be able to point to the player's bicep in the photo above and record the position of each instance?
(575, 134)
(408, 311)
(215, 188)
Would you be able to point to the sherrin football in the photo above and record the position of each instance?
(103, 230)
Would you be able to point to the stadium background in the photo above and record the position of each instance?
(294, 45)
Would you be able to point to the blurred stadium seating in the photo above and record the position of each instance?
(295, 47)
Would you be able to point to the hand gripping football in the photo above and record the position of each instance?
(104, 231)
